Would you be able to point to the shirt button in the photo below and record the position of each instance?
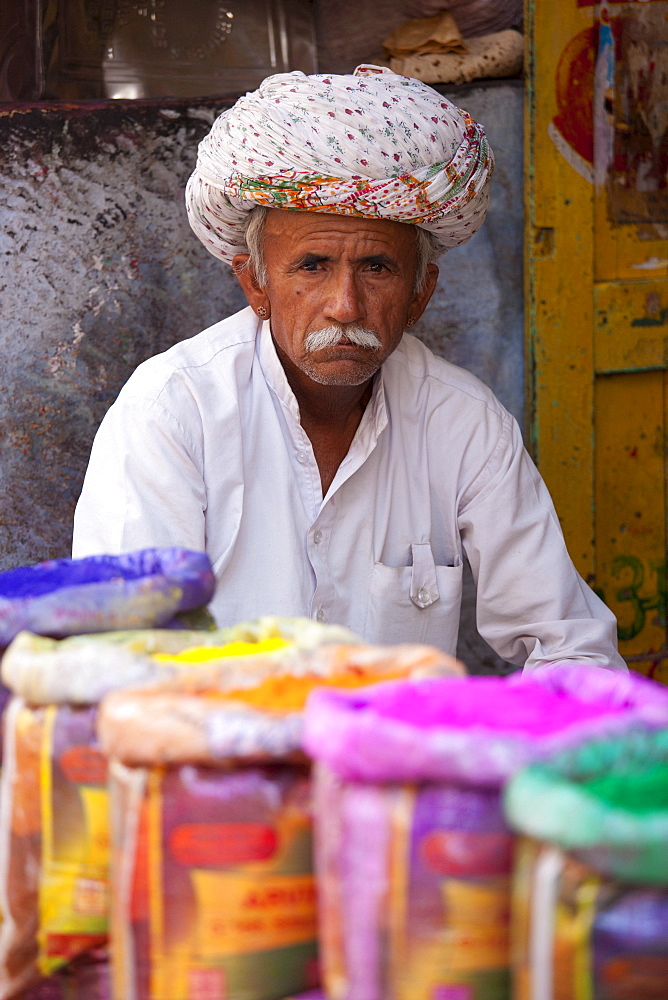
(422, 595)
(320, 615)
(301, 457)
(317, 536)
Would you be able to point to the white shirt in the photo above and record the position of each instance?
(204, 449)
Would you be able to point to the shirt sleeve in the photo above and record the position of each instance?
(533, 607)
(144, 486)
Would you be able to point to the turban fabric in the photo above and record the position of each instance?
(371, 144)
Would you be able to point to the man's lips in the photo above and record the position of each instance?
(346, 345)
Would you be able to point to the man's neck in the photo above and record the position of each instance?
(330, 405)
(330, 416)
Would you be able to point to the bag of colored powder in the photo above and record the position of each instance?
(54, 819)
(66, 597)
(134, 590)
(412, 849)
(261, 717)
(213, 891)
(54, 843)
(590, 895)
(81, 669)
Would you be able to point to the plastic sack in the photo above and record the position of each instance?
(413, 890)
(606, 802)
(261, 715)
(198, 746)
(54, 833)
(85, 978)
(577, 933)
(54, 851)
(213, 888)
(80, 670)
(413, 853)
(475, 729)
(134, 590)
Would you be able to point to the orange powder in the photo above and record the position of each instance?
(289, 694)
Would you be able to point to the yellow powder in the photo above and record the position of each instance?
(200, 654)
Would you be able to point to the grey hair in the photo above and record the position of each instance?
(253, 233)
(426, 248)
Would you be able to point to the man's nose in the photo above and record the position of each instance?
(344, 301)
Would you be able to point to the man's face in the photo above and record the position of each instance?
(337, 271)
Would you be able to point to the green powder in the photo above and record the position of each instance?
(639, 791)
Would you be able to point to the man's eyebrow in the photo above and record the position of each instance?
(378, 258)
(308, 258)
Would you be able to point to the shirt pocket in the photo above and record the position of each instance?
(418, 603)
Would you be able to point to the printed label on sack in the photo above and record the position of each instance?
(203, 845)
(259, 914)
(450, 868)
(74, 883)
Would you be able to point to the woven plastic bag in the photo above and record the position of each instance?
(577, 933)
(606, 802)
(413, 852)
(54, 821)
(590, 895)
(65, 597)
(134, 590)
(210, 802)
(81, 669)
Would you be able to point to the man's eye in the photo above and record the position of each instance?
(376, 266)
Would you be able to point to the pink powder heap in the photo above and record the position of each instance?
(490, 702)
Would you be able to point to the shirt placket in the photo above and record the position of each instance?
(323, 528)
(317, 545)
(322, 511)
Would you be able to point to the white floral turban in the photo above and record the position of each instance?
(373, 144)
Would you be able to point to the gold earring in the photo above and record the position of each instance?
(262, 312)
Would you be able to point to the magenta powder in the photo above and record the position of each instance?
(491, 702)
(477, 730)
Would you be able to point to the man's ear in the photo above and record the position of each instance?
(245, 274)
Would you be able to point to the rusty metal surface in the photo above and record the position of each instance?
(99, 271)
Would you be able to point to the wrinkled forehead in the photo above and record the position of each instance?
(293, 233)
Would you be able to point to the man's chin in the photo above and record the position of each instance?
(341, 373)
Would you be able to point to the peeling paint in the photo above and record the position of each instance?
(653, 264)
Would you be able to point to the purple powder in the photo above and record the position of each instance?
(139, 589)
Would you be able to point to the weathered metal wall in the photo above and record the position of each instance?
(100, 270)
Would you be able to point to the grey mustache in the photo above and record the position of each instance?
(330, 336)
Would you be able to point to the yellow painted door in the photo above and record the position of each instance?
(597, 296)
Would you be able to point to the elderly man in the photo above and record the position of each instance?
(329, 464)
